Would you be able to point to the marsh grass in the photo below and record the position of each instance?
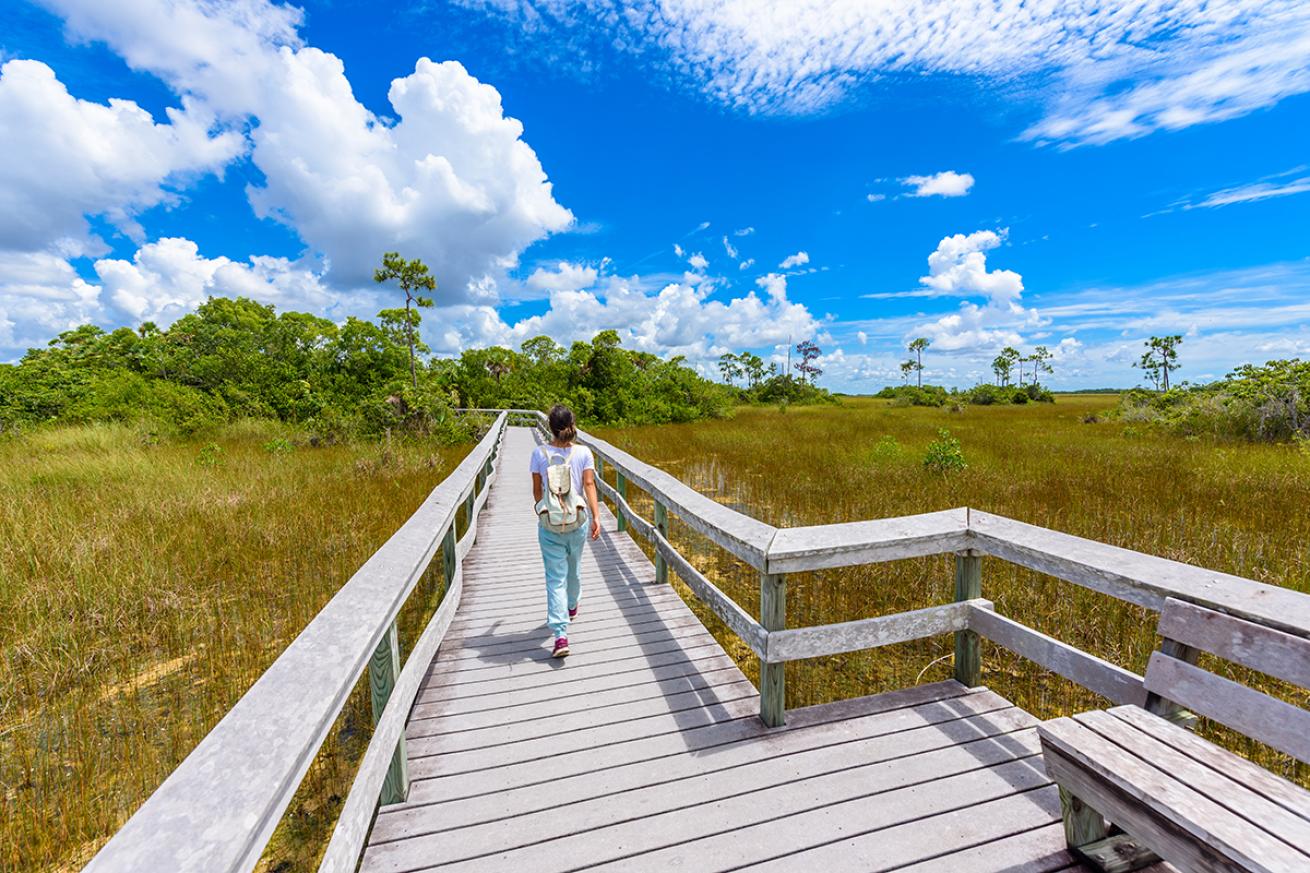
(145, 585)
(1235, 507)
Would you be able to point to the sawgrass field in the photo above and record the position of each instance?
(145, 584)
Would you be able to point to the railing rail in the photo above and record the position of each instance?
(1145, 580)
(217, 810)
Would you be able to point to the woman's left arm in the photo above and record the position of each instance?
(589, 487)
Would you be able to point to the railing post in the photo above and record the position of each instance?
(968, 586)
(661, 525)
(448, 554)
(773, 616)
(382, 671)
(621, 486)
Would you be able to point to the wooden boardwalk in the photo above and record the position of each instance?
(644, 750)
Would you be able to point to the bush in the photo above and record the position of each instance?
(913, 395)
(279, 446)
(1269, 403)
(944, 454)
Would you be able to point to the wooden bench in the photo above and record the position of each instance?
(1171, 794)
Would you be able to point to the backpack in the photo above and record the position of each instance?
(561, 509)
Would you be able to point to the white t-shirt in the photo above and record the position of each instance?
(579, 457)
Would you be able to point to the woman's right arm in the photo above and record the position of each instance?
(536, 488)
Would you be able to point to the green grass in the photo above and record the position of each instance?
(144, 586)
(1238, 508)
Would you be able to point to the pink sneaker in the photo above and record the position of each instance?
(573, 613)
(561, 647)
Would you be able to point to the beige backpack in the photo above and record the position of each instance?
(561, 507)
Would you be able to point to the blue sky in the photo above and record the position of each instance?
(702, 177)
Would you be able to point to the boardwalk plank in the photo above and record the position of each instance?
(651, 734)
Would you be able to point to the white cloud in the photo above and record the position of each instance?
(565, 277)
(66, 158)
(799, 259)
(729, 248)
(676, 318)
(1252, 192)
(678, 250)
(746, 264)
(168, 278)
(862, 337)
(450, 180)
(947, 183)
(744, 231)
(875, 198)
(1104, 71)
(959, 267)
(698, 262)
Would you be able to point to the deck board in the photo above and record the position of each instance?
(644, 750)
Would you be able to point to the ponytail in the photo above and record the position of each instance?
(562, 423)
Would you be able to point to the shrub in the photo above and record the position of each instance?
(279, 446)
(944, 454)
(211, 455)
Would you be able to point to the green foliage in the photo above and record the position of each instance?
(211, 455)
(279, 446)
(944, 454)
(915, 395)
(787, 390)
(603, 382)
(1268, 402)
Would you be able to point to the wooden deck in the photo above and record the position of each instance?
(644, 750)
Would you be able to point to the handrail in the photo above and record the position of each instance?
(219, 808)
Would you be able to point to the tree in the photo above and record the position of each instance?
(916, 348)
(1001, 367)
(1040, 360)
(809, 353)
(1160, 359)
(753, 366)
(413, 276)
(730, 367)
(542, 350)
(907, 367)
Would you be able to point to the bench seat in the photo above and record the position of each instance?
(1192, 803)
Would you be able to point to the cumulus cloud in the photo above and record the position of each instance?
(746, 264)
(565, 277)
(168, 278)
(1105, 70)
(875, 198)
(947, 183)
(958, 267)
(698, 262)
(799, 259)
(676, 318)
(66, 159)
(450, 180)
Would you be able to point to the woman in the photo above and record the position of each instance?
(561, 544)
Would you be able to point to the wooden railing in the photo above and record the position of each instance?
(970, 535)
(217, 810)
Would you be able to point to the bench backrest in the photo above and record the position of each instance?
(1255, 714)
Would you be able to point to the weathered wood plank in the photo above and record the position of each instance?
(1279, 724)
(521, 819)
(773, 680)
(867, 542)
(1291, 797)
(743, 536)
(1261, 648)
(913, 729)
(1205, 780)
(1143, 579)
(1106, 679)
(217, 810)
(1182, 826)
(968, 648)
(870, 633)
(881, 792)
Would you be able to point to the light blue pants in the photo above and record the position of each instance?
(561, 554)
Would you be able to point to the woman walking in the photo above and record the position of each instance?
(561, 474)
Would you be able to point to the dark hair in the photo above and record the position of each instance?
(562, 423)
